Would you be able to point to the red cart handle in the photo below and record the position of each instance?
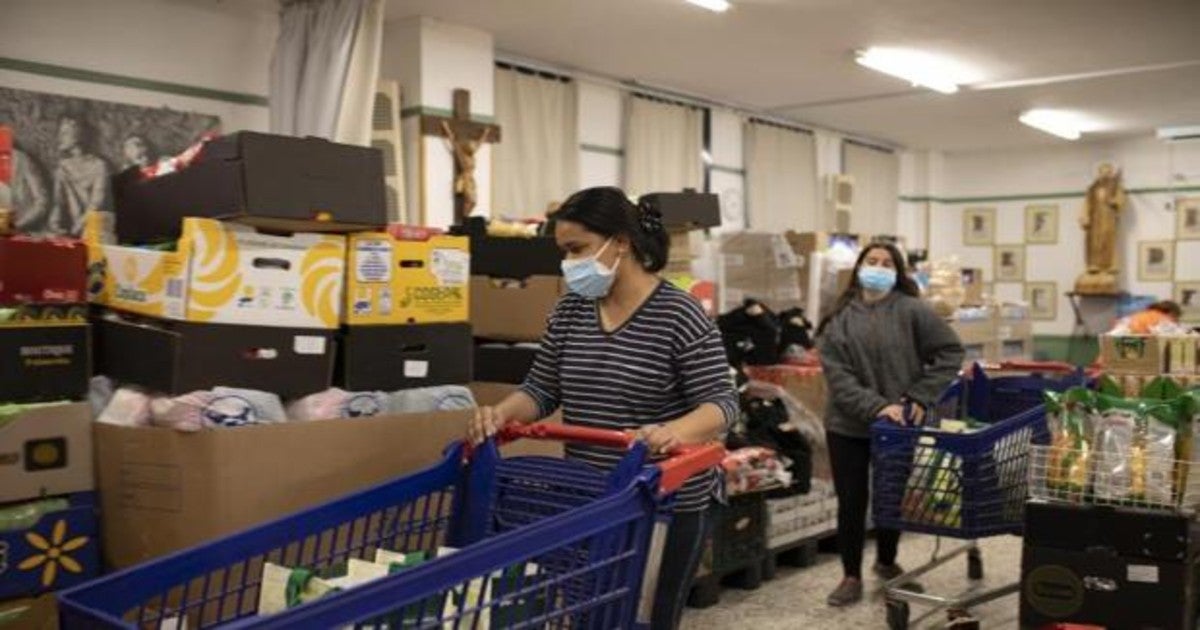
(681, 464)
(1032, 366)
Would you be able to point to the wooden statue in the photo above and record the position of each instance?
(1100, 220)
(464, 137)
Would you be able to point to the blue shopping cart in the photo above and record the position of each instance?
(966, 485)
(544, 543)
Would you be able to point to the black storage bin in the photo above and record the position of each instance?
(739, 534)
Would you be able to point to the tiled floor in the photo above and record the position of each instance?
(795, 599)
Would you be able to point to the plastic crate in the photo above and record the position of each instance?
(739, 535)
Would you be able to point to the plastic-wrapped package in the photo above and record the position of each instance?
(945, 293)
(1067, 416)
(338, 403)
(128, 407)
(1117, 463)
(182, 413)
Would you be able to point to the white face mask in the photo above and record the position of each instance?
(589, 277)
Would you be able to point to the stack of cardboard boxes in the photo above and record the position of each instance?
(49, 540)
(991, 331)
(777, 269)
(282, 277)
(515, 284)
(685, 217)
(1135, 360)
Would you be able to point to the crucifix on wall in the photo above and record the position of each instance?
(464, 137)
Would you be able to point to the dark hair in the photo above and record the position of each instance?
(1167, 307)
(904, 283)
(606, 211)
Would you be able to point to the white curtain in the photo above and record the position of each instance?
(325, 61)
(537, 159)
(662, 147)
(781, 179)
(876, 175)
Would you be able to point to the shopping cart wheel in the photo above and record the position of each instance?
(974, 565)
(897, 615)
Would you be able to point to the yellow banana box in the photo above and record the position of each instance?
(397, 281)
(225, 273)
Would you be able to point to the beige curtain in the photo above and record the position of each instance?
(781, 179)
(537, 159)
(663, 142)
(876, 175)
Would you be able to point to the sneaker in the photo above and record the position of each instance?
(889, 572)
(850, 591)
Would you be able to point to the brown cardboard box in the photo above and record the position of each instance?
(975, 332)
(46, 451)
(982, 351)
(513, 310)
(162, 490)
(681, 245)
(1133, 354)
(761, 266)
(30, 614)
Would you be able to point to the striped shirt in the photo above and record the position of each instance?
(662, 363)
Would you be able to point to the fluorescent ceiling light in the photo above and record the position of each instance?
(717, 6)
(1064, 124)
(917, 67)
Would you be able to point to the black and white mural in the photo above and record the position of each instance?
(66, 148)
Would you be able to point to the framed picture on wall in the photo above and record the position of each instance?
(1041, 224)
(1187, 219)
(1042, 298)
(979, 226)
(1156, 261)
(1009, 263)
(1187, 295)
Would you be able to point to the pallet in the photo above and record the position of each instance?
(801, 554)
(706, 590)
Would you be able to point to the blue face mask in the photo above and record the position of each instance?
(877, 279)
(589, 277)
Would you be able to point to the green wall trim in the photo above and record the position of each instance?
(1079, 351)
(1040, 196)
(120, 80)
(732, 170)
(425, 110)
(595, 148)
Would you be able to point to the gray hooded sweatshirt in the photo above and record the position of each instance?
(876, 354)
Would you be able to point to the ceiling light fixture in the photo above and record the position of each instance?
(916, 67)
(1056, 122)
(716, 6)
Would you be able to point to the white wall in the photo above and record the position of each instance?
(216, 45)
(1010, 180)
(431, 59)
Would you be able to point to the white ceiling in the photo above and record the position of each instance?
(794, 58)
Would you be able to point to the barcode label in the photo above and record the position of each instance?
(175, 288)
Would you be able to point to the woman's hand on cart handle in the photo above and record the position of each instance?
(488, 421)
(661, 438)
(892, 413)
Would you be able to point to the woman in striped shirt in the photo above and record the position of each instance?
(627, 350)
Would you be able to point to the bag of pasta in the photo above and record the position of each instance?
(1067, 416)
(1136, 450)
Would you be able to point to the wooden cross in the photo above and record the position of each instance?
(464, 138)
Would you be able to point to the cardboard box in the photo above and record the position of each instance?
(181, 357)
(987, 352)
(35, 270)
(162, 490)
(31, 614)
(513, 310)
(975, 332)
(46, 451)
(688, 209)
(390, 358)
(73, 532)
(280, 183)
(761, 266)
(226, 273)
(680, 246)
(392, 281)
(502, 363)
(972, 284)
(45, 361)
(511, 257)
(1133, 354)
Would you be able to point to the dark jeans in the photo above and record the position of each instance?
(851, 462)
(681, 557)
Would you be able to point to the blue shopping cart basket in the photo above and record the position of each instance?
(965, 485)
(545, 543)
